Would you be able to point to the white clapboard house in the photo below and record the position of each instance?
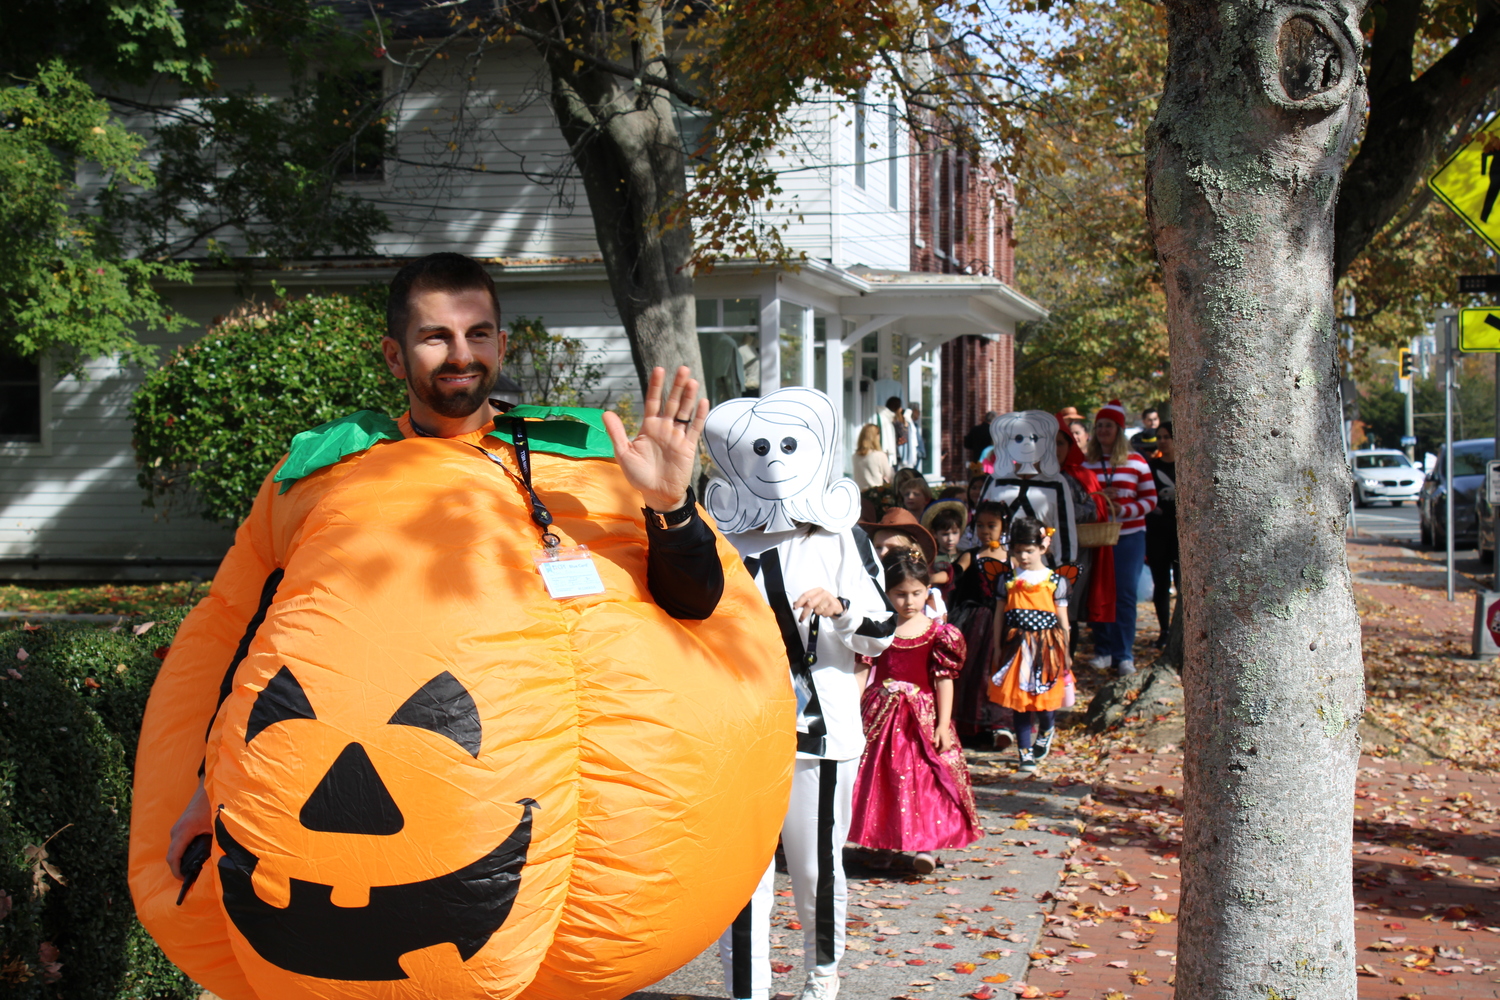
(906, 291)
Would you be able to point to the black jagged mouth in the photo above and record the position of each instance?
(310, 936)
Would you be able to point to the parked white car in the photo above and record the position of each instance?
(1384, 474)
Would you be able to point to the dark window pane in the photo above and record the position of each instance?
(20, 399)
(353, 104)
(742, 312)
(708, 313)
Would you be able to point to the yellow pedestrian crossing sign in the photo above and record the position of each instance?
(1469, 183)
(1479, 330)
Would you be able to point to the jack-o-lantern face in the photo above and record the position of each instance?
(386, 685)
(310, 935)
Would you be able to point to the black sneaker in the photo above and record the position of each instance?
(1028, 762)
(1043, 745)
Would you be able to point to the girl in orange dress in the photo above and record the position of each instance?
(1030, 672)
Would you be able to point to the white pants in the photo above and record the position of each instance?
(812, 835)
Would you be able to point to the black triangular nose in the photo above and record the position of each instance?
(351, 798)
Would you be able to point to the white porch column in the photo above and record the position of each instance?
(770, 340)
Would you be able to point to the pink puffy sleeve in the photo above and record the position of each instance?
(948, 652)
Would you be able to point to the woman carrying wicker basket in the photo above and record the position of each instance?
(1127, 486)
(1094, 588)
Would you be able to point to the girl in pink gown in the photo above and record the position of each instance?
(913, 792)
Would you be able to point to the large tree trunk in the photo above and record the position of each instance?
(1261, 105)
(623, 136)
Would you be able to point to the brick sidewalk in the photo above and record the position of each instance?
(1426, 847)
(1427, 907)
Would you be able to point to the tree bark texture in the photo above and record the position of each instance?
(1261, 105)
(623, 136)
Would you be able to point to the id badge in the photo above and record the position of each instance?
(569, 572)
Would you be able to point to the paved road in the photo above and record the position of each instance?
(1399, 524)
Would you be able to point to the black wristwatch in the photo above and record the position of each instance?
(672, 518)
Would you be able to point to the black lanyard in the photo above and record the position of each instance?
(540, 515)
(539, 512)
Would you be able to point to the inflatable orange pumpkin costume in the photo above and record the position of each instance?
(429, 778)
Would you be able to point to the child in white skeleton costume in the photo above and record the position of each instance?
(791, 526)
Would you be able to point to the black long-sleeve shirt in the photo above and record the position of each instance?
(683, 571)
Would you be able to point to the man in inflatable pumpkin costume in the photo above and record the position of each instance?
(790, 520)
(477, 724)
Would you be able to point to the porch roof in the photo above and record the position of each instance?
(935, 308)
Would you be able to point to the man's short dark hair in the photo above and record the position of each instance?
(894, 401)
(437, 272)
(1150, 410)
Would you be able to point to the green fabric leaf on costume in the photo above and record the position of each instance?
(575, 431)
(330, 443)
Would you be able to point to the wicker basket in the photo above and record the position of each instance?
(1098, 535)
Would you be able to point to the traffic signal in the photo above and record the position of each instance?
(1405, 360)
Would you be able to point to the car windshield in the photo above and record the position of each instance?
(1470, 461)
(1389, 461)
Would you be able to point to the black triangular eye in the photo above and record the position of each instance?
(444, 706)
(282, 699)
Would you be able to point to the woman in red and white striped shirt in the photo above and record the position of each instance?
(1127, 483)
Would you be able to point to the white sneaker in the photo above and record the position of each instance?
(1125, 668)
(820, 987)
(1102, 662)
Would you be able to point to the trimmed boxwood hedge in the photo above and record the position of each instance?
(68, 730)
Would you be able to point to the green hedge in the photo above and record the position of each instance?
(211, 422)
(68, 731)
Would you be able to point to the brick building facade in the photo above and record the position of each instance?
(962, 223)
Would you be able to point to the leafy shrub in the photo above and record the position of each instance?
(220, 413)
(70, 715)
(552, 368)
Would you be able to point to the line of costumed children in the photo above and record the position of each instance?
(1011, 597)
(879, 762)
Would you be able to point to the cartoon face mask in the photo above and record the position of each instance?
(782, 461)
(1027, 439)
(779, 454)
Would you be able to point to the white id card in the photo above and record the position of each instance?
(569, 572)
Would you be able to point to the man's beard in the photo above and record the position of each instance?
(451, 403)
